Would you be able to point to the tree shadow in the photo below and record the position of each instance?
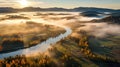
(11, 45)
(105, 63)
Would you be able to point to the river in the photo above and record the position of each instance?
(40, 48)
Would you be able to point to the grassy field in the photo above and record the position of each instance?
(79, 49)
(108, 46)
(69, 52)
(25, 35)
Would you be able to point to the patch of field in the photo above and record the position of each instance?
(68, 53)
(88, 46)
(13, 17)
(25, 35)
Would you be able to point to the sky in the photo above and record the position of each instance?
(114, 4)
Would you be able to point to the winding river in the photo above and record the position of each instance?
(40, 48)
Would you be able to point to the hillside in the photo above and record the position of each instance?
(90, 13)
(113, 18)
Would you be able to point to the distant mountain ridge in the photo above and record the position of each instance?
(79, 9)
(7, 10)
(90, 13)
(94, 9)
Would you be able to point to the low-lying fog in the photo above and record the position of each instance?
(97, 29)
(101, 29)
(61, 19)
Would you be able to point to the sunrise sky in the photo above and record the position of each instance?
(115, 4)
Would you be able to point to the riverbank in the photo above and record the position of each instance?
(24, 36)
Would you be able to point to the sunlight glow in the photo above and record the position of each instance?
(23, 3)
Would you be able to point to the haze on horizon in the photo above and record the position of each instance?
(113, 4)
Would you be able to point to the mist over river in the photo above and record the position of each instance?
(59, 19)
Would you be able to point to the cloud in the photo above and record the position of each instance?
(36, 3)
(8, 3)
(14, 3)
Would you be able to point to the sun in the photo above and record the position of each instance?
(23, 3)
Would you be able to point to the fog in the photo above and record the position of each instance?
(101, 29)
(43, 46)
(62, 18)
(96, 29)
